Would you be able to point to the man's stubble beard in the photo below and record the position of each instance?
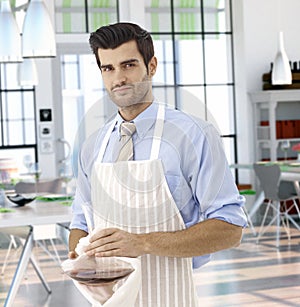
(139, 93)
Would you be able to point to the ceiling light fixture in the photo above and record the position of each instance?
(10, 39)
(38, 33)
(27, 73)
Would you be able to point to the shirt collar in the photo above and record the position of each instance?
(143, 122)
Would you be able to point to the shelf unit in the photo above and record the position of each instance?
(276, 121)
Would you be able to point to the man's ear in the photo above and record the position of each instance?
(152, 66)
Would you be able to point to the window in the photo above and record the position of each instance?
(17, 117)
(82, 91)
(193, 43)
(18, 140)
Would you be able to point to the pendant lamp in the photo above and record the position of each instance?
(10, 39)
(281, 72)
(38, 33)
(27, 73)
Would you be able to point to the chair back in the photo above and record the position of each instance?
(269, 178)
(46, 186)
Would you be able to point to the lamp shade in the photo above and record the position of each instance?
(281, 72)
(10, 39)
(38, 34)
(27, 73)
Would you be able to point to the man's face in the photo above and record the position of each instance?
(125, 75)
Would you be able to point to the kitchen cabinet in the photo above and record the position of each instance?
(276, 123)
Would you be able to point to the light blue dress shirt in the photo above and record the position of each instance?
(194, 162)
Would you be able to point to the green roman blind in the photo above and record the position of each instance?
(155, 16)
(67, 23)
(104, 16)
(187, 16)
(214, 10)
(73, 16)
(70, 16)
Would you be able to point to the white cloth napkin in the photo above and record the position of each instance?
(121, 293)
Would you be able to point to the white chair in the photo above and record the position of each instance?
(53, 186)
(269, 178)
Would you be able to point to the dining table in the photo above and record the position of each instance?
(20, 222)
(291, 172)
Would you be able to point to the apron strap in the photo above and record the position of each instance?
(158, 131)
(105, 141)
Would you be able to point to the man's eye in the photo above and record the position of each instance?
(128, 65)
(106, 69)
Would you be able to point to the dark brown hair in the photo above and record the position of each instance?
(114, 35)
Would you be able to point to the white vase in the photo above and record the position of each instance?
(281, 72)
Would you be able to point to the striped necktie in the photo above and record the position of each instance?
(125, 144)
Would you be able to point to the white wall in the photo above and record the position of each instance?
(262, 23)
(44, 100)
(256, 27)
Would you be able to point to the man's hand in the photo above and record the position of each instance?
(72, 255)
(115, 242)
(74, 237)
(206, 237)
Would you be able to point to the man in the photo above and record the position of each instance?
(176, 201)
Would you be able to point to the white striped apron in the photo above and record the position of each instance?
(134, 196)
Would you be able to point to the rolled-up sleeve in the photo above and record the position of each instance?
(82, 195)
(216, 190)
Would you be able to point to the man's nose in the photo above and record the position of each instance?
(119, 77)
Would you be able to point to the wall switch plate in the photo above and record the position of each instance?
(45, 115)
(46, 131)
(46, 146)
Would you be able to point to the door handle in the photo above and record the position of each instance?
(68, 152)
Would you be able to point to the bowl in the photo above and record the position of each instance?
(20, 200)
(96, 270)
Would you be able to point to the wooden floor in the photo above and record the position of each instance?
(250, 275)
(253, 274)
